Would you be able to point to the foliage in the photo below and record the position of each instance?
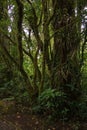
(6, 82)
(52, 103)
(12, 85)
(83, 111)
(42, 44)
(22, 98)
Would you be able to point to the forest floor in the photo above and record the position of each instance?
(28, 121)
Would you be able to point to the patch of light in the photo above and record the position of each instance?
(10, 8)
(9, 29)
(11, 19)
(76, 12)
(82, 26)
(85, 8)
(26, 31)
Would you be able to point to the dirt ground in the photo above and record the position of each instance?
(11, 118)
(20, 121)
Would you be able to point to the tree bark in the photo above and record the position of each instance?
(65, 66)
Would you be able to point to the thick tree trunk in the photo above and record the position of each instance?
(66, 70)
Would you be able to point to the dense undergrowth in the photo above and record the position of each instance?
(51, 103)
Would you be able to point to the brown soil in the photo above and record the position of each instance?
(20, 121)
(11, 119)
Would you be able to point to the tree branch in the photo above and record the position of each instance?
(19, 35)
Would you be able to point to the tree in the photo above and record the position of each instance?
(66, 48)
(47, 36)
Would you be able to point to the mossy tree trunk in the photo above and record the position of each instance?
(66, 69)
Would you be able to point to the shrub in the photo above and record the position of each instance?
(83, 111)
(52, 103)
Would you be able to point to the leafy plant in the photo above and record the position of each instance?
(83, 111)
(52, 103)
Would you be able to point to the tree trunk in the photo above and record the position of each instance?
(65, 66)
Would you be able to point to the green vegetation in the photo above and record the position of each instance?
(43, 57)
